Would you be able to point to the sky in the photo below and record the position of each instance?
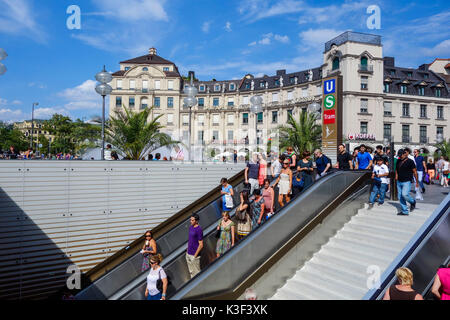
(55, 65)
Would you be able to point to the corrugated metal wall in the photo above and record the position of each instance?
(57, 213)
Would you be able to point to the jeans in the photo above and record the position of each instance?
(155, 297)
(420, 176)
(378, 190)
(403, 195)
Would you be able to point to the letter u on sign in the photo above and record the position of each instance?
(330, 86)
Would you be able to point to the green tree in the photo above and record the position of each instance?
(444, 148)
(133, 135)
(62, 128)
(302, 135)
(9, 136)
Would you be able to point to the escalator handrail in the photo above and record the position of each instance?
(269, 262)
(134, 247)
(410, 250)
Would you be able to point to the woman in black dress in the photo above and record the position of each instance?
(305, 166)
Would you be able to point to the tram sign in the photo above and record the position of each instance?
(331, 115)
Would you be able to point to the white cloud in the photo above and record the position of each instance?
(228, 26)
(16, 102)
(205, 26)
(314, 38)
(267, 39)
(9, 115)
(133, 10)
(18, 17)
(37, 85)
(442, 49)
(82, 96)
(253, 10)
(47, 113)
(282, 39)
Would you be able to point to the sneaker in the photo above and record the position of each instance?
(370, 206)
(402, 214)
(413, 206)
(423, 190)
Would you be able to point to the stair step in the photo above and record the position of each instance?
(381, 224)
(359, 255)
(308, 289)
(330, 290)
(369, 239)
(372, 229)
(387, 253)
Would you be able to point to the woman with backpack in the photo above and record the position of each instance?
(227, 195)
(156, 280)
(243, 216)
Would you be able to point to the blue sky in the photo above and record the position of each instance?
(55, 66)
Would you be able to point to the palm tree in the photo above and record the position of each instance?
(304, 135)
(444, 148)
(133, 135)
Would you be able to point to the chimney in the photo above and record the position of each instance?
(389, 61)
(281, 72)
(152, 51)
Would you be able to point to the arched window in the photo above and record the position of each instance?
(336, 63)
(144, 69)
(364, 61)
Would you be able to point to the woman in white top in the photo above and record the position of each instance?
(284, 182)
(152, 292)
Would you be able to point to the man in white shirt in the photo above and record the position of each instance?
(275, 168)
(380, 181)
(108, 151)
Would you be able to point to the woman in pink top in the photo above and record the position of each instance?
(441, 285)
(262, 169)
(268, 195)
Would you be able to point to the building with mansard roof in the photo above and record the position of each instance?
(380, 100)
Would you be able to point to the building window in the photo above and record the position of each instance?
(144, 103)
(364, 82)
(392, 72)
(127, 68)
(423, 134)
(157, 84)
(289, 112)
(217, 87)
(409, 74)
(119, 84)
(185, 120)
(364, 62)
(423, 110)
(292, 80)
(232, 86)
(364, 106)
(363, 127)
(438, 92)
(131, 102)
(118, 102)
(156, 116)
(157, 102)
(290, 95)
(247, 85)
(274, 116)
(202, 87)
(230, 119)
(144, 86)
(405, 110)
(165, 68)
(440, 112)
(230, 135)
(262, 84)
(319, 89)
(421, 91)
(403, 89)
(144, 69)
(405, 133)
(277, 82)
(132, 84)
(274, 97)
(387, 87)
(245, 118)
(169, 118)
(245, 100)
(440, 130)
(230, 102)
(387, 108)
(260, 117)
(200, 136)
(215, 102)
(425, 76)
(215, 135)
(304, 92)
(170, 85)
(185, 136)
(335, 64)
(201, 119)
(215, 119)
(201, 102)
(169, 102)
(387, 131)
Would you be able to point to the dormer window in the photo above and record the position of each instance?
(277, 82)
(232, 86)
(202, 87)
(425, 76)
(403, 89)
(292, 80)
(247, 85)
(262, 84)
(127, 68)
(335, 65)
(217, 87)
(392, 72)
(421, 91)
(438, 92)
(165, 68)
(409, 74)
(144, 69)
(364, 61)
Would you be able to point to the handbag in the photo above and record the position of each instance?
(217, 234)
(229, 201)
(298, 182)
(427, 179)
(159, 283)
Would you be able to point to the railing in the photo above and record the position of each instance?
(406, 139)
(365, 68)
(424, 139)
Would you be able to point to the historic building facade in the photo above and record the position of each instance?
(380, 100)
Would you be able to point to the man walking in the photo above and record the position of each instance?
(195, 245)
(405, 171)
(363, 159)
(323, 163)
(421, 168)
(251, 172)
(380, 181)
(344, 159)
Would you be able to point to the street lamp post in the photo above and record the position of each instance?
(256, 107)
(103, 89)
(32, 123)
(190, 101)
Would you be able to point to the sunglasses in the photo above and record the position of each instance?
(152, 262)
(148, 236)
(285, 164)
